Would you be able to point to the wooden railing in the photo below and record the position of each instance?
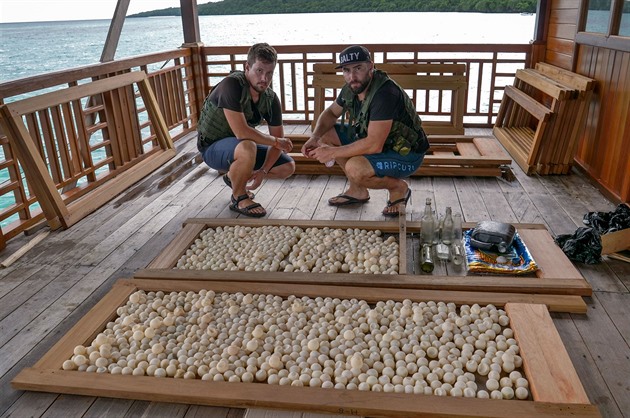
(181, 79)
(489, 68)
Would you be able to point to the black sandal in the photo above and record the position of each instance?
(396, 202)
(227, 181)
(247, 211)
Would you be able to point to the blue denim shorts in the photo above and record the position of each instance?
(387, 163)
(220, 154)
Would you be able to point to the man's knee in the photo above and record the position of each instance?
(245, 147)
(358, 169)
(284, 170)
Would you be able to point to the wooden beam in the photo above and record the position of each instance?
(115, 27)
(190, 21)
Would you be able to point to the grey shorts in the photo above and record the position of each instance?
(220, 154)
(387, 163)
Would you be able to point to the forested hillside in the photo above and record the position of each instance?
(236, 7)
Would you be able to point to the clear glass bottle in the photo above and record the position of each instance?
(457, 227)
(447, 228)
(458, 253)
(427, 263)
(426, 224)
(443, 251)
(437, 222)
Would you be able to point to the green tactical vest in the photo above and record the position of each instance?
(213, 125)
(402, 137)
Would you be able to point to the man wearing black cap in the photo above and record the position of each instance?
(382, 141)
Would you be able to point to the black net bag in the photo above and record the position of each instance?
(606, 222)
(584, 245)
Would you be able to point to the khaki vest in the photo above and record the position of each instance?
(213, 125)
(402, 137)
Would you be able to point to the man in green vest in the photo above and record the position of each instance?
(381, 143)
(228, 139)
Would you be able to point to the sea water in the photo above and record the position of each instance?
(28, 49)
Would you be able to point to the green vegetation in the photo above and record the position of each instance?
(238, 7)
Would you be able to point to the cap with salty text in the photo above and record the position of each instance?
(354, 54)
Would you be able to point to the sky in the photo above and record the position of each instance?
(45, 10)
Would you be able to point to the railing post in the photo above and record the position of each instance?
(199, 78)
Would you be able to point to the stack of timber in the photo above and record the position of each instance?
(448, 155)
(451, 153)
(542, 116)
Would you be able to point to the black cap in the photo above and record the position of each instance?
(354, 54)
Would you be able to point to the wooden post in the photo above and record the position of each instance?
(115, 27)
(190, 21)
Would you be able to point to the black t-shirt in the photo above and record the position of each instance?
(387, 104)
(227, 95)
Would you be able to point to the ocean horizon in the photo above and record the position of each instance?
(31, 48)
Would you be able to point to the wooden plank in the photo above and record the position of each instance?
(45, 100)
(402, 240)
(384, 226)
(574, 80)
(526, 102)
(174, 250)
(157, 120)
(546, 253)
(547, 365)
(437, 281)
(543, 84)
(488, 147)
(556, 303)
(616, 241)
(354, 403)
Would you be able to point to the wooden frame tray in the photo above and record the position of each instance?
(557, 275)
(554, 384)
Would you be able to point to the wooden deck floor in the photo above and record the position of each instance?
(47, 291)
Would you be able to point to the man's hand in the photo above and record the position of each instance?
(309, 146)
(255, 180)
(284, 144)
(323, 153)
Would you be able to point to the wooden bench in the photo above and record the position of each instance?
(451, 153)
(441, 84)
(542, 116)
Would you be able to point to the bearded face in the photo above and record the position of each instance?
(358, 76)
(260, 75)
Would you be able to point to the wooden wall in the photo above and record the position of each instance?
(605, 144)
(561, 31)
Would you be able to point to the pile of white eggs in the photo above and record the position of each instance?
(404, 347)
(285, 248)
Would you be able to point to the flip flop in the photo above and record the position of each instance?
(396, 202)
(227, 181)
(350, 200)
(247, 211)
